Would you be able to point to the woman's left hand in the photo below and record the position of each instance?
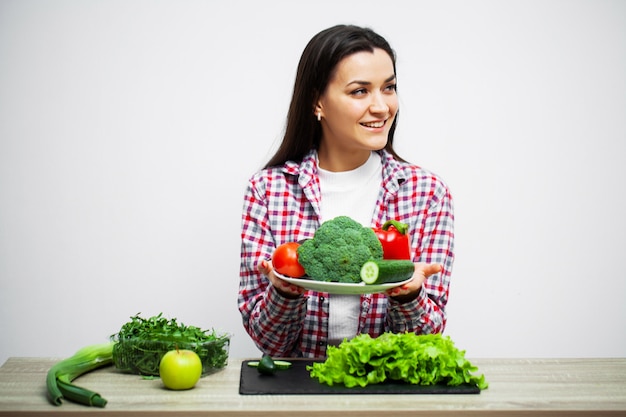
(411, 289)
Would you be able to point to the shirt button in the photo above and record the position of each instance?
(321, 298)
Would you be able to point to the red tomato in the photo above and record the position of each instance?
(285, 260)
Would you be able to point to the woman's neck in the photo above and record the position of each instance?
(340, 162)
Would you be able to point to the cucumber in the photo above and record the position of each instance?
(266, 365)
(384, 271)
(278, 364)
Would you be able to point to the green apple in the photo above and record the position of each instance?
(180, 369)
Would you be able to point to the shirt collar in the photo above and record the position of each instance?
(394, 172)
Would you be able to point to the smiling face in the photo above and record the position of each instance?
(357, 110)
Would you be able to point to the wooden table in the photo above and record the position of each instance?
(518, 387)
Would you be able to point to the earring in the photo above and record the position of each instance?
(319, 116)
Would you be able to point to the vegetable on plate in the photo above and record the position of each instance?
(338, 250)
(386, 271)
(285, 260)
(394, 239)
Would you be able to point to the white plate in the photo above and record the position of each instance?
(340, 287)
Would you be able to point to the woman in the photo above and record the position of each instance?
(337, 158)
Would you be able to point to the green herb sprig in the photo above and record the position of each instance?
(141, 343)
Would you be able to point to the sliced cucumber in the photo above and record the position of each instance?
(282, 364)
(278, 364)
(384, 271)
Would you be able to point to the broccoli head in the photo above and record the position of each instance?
(338, 250)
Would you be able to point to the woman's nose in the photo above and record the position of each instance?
(379, 104)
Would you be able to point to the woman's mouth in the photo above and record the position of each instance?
(374, 125)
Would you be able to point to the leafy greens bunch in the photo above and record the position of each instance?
(415, 359)
(141, 343)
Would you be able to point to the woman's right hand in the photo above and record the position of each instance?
(283, 287)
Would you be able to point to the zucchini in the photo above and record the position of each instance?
(384, 271)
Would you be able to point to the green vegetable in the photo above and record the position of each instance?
(141, 343)
(278, 364)
(61, 375)
(266, 365)
(383, 271)
(338, 250)
(414, 359)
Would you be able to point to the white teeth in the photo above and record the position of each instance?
(374, 124)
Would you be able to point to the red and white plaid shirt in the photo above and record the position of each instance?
(282, 204)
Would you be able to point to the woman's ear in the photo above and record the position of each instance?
(317, 110)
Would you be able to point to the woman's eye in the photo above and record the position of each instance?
(359, 92)
(392, 87)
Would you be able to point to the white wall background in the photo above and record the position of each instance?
(128, 129)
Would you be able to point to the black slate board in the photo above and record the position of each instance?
(296, 380)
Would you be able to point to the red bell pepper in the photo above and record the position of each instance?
(395, 240)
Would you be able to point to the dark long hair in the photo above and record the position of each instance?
(317, 64)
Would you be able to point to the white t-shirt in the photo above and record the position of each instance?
(354, 194)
